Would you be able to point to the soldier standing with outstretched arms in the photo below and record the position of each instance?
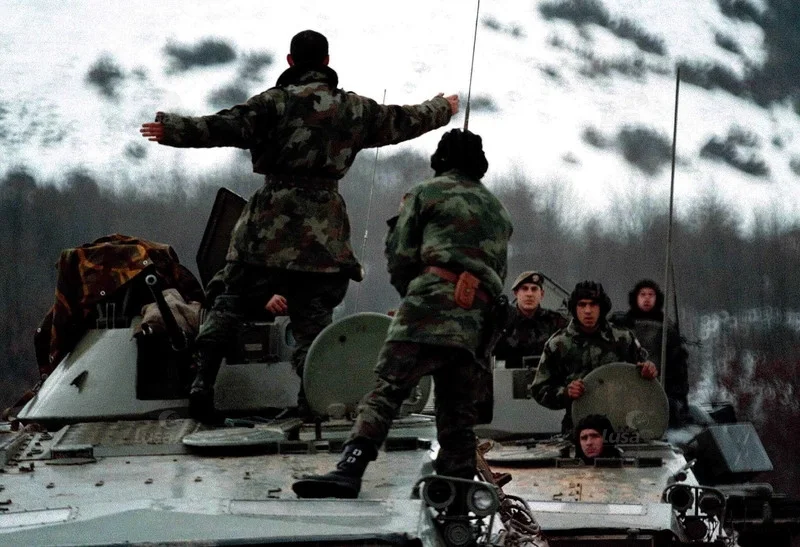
(293, 237)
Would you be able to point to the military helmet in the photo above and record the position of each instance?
(592, 291)
(531, 276)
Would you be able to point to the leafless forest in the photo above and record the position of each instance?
(737, 293)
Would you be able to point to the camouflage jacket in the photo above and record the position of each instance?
(526, 336)
(571, 354)
(455, 222)
(303, 135)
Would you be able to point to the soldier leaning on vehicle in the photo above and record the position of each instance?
(529, 324)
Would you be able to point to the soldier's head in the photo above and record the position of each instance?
(646, 296)
(462, 150)
(528, 289)
(589, 304)
(308, 49)
(593, 436)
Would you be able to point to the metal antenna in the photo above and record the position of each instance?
(669, 232)
(472, 67)
(369, 211)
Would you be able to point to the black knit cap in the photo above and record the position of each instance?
(462, 150)
(309, 48)
(601, 424)
(589, 290)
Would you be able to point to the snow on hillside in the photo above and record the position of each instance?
(551, 97)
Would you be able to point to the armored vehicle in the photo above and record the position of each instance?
(105, 452)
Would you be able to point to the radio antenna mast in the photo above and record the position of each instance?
(667, 266)
(369, 211)
(472, 66)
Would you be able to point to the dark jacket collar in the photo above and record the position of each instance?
(296, 75)
(653, 315)
(538, 313)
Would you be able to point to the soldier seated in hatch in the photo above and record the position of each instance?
(595, 438)
(645, 317)
(588, 342)
(529, 325)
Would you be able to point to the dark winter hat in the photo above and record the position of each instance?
(309, 48)
(530, 276)
(462, 150)
(601, 424)
(650, 284)
(598, 422)
(591, 291)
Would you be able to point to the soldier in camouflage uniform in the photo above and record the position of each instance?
(588, 342)
(529, 324)
(293, 237)
(446, 256)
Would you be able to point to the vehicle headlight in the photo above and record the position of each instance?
(681, 498)
(438, 493)
(482, 500)
(711, 502)
(696, 529)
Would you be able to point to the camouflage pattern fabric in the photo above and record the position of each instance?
(92, 274)
(311, 297)
(455, 222)
(457, 382)
(525, 336)
(303, 134)
(571, 354)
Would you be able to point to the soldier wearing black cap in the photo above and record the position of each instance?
(594, 438)
(529, 325)
(588, 342)
(645, 317)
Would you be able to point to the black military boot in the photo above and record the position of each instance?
(303, 408)
(201, 394)
(345, 480)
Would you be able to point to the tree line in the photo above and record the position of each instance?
(722, 274)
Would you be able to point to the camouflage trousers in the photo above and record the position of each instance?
(310, 296)
(458, 381)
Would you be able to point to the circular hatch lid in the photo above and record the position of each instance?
(630, 402)
(339, 367)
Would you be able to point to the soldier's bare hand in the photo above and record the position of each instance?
(277, 305)
(152, 131)
(575, 389)
(649, 369)
(453, 100)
